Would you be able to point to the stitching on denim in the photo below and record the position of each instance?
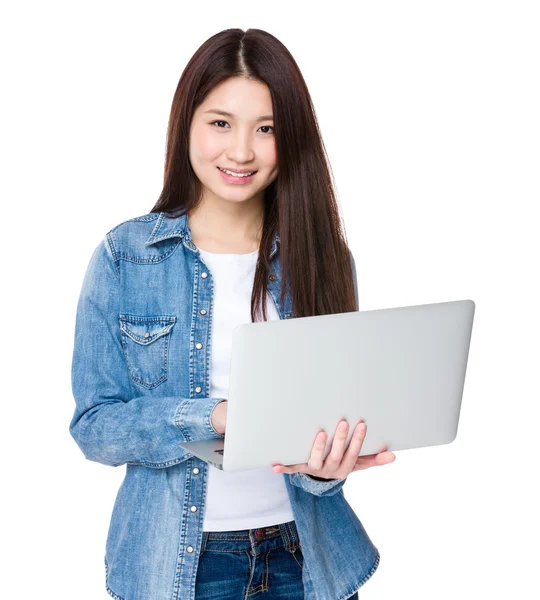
(232, 538)
(112, 250)
(255, 590)
(294, 556)
(124, 334)
(178, 418)
(225, 551)
(157, 465)
(148, 217)
(368, 575)
(293, 532)
(147, 319)
(223, 535)
(157, 226)
(109, 591)
(125, 324)
(204, 542)
(132, 373)
(292, 535)
(209, 325)
(287, 538)
(150, 259)
(265, 584)
(178, 232)
(251, 572)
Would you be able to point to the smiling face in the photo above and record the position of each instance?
(242, 140)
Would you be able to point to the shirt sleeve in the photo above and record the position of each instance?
(109, 425)
(315, 486)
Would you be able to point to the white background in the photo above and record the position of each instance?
(430, 115)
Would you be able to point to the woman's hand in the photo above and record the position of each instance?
(337, 464)
(218, 418)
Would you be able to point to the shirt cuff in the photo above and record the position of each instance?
(316, 487)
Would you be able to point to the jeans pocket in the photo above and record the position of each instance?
(145, 341)
(298, 556)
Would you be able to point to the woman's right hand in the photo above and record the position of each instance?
(219, 417)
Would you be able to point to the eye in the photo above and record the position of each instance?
(219, 127)
(213, 122)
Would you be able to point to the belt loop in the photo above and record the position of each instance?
(293, 533)
(204, 540)
(285, 535)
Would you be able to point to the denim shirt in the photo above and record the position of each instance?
(140, 380)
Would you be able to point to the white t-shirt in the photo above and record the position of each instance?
(239, 499)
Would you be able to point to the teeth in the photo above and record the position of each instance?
(236, 174)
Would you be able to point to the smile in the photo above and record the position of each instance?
(236, 174)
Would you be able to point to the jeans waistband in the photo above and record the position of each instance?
(287, 531)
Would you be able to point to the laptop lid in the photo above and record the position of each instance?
(401, 370)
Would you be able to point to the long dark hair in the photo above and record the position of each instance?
(300, 203)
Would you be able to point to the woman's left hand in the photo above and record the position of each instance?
(338, 464)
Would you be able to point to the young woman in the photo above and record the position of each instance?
(247, 223)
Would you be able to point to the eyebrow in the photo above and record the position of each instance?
(224, 113)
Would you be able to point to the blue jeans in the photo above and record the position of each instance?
(237, 565)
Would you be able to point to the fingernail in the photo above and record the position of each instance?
(362, 427)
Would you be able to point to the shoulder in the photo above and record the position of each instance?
(133, 239)
(140, 224)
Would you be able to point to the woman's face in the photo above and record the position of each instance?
(239, 141)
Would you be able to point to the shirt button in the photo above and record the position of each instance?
(196, 470)
(193, 509)
(198, 389)
(198, 345)
(204, 275)
(189, 548)
(202, 311)
(147, 334)
(272, 277)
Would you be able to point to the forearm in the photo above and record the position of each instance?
(143, 430)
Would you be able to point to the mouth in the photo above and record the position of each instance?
(237, 173)
(237, 178)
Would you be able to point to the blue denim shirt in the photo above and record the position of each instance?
(140, 380)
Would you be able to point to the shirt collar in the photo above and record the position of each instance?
(166, 228)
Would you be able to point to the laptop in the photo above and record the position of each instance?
(401, 370)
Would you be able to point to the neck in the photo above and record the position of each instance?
(222, 226)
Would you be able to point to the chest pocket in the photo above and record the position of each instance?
(145, 341)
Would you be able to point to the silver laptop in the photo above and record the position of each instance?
(401, 370)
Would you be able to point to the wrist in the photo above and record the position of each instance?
(217, 418)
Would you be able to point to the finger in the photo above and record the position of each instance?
(333, 460)
(355, 445)
(374, 460)
(316, 459)
(297, 468)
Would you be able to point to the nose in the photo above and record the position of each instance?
(241, 150)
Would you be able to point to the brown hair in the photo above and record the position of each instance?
(300, 203)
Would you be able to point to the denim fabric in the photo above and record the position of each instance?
(141, 381)
(237, 565)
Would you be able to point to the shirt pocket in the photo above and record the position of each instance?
(145, 341)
